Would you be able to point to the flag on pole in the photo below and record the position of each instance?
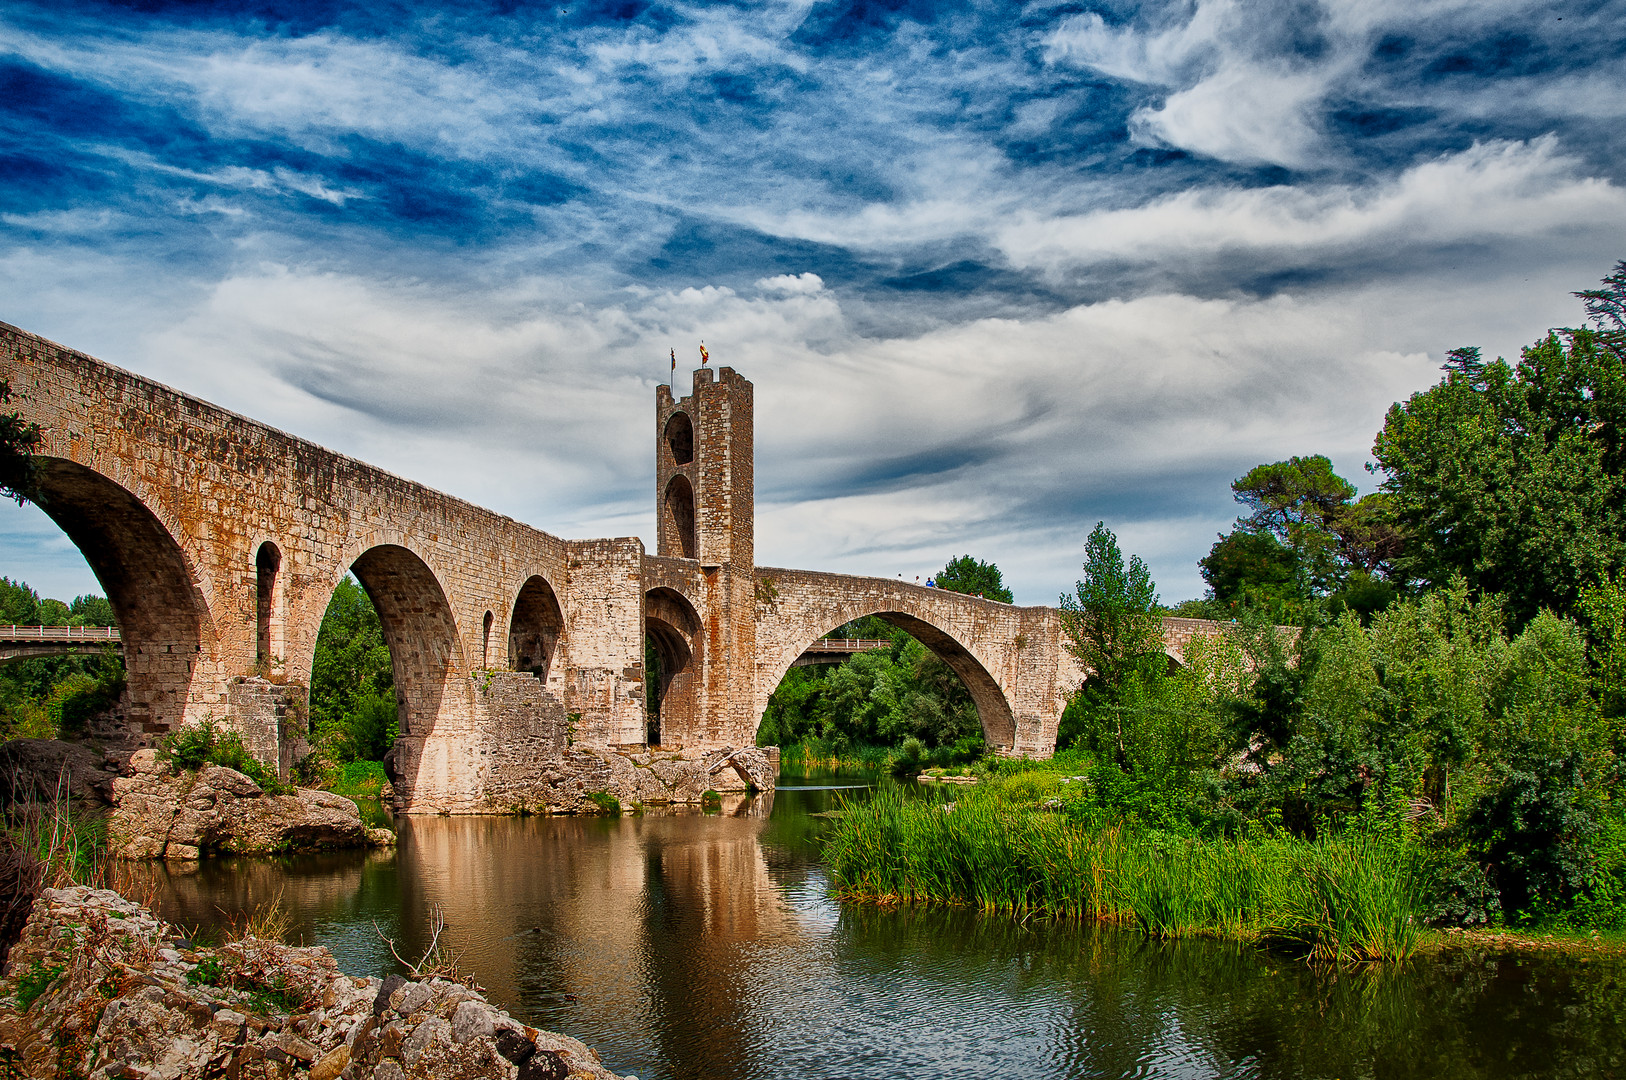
(704, 355)
(674, 362)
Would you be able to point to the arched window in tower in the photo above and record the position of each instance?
(679, 512)
(267, 561)
(680, 438)
(485, 642)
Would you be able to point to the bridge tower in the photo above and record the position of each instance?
(705, 540)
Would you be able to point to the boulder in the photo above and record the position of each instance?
(161, 813)
(43, 769)
(98, 987)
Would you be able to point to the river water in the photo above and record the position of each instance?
(693, 945)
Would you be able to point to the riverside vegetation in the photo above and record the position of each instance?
(1433, 740)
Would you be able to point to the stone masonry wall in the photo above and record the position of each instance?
(171, 498)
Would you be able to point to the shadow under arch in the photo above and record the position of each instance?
(678, 507)
(163, 618)
(426, 653)
(535, 628)
(673, 629)
(993, 708)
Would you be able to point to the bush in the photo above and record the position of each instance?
(910, 759)
(191, 748)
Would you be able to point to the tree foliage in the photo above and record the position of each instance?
(876, 698)
(352, 693)
(53, 696)
(1112, 621)
(1514, 478)
(974, 578)
(19, 439)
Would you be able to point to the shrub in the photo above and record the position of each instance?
(191, 748)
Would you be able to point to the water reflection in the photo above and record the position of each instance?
(689, 945)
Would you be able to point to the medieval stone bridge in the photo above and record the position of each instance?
(219, 542)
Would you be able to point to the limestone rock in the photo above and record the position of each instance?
(125, 996)
(158, 813)
(565, 784)
(44, 768)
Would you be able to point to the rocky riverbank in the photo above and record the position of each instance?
(98, 987)
(159, 812)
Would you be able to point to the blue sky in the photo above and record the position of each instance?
(997, 270)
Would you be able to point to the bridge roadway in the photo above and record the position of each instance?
(28, 642)
(219, 541)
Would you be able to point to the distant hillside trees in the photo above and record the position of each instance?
(54, 696)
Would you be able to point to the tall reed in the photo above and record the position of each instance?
(1339, 899)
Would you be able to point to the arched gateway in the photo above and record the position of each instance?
(219, 542)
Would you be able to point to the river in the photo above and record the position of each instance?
(692, 945)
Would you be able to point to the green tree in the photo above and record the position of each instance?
(19, 604)
(1254, 571)
(974, 578)
(1112, 621)
(52, 696)
(19, 439)
(1114, 627)
(352, 681)
(1297, 501)
(1514, 477)
(91, 611)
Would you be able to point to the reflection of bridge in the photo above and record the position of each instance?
(28, 642)
(219, 542)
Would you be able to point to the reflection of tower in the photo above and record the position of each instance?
(705, 494)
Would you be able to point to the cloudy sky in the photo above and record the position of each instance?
(998, 271)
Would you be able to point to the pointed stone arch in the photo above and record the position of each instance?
(676, 633)
(678, 509)
(151, 582)
(993, 708)
(535, 628)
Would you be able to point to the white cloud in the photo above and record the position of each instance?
(1493, 191)
(791, 283)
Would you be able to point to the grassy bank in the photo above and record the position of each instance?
(1343, 899)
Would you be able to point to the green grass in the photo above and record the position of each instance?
(606, 803)
(208, 972)
(1345, 899)
(358, 779)
(34, 982)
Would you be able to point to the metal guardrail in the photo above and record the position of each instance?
(849, 644)
(59, 633)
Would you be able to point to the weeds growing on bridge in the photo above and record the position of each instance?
(1354, 898)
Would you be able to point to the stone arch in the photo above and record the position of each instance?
(678, 508)
(674, 630)
(993, 707)
(153, 585)
(268, 613)
(426, 653)
(534, 630)
(679, 438)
